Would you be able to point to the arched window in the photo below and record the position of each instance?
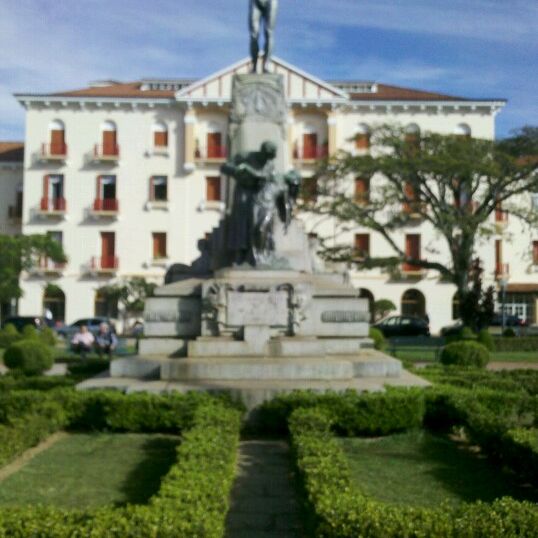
(462, 130)
(57, 138)
(160, 135)
(109, 138)
(456, 312)
(367, 294)
(413, 304)
(54, 303)
(362, 136)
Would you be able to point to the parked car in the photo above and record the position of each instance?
(22, 321)
(403, 326)
(452, 330)
(510, 320)
(68, 331)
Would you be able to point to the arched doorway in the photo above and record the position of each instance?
(413, 304)
(367, 294)
(54, 303)
(106, 303)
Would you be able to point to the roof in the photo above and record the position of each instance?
(396, 93)
(121, 89)
(522, 288)
(11, 152)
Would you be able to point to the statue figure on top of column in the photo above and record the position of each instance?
(262, 12)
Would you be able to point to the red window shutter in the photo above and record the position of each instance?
(498, 255)
(108, 250)
(46, 180)
(535, 252)
(57, 142)
(310, 145)
(151, 188)
(412, 250)
(214, 145)
(362, 141)
(109, 143)
(362, 244)
(159, 245)
(160, 138)
(409, 193)
(362, 190)
(213, 189)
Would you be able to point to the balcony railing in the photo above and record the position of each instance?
(106, 205)
(211, 153)
(107, 152)
(502, 270)
(53, 206)
(311, 154)
(412, 270)
(46, 265)
(54, 152)
(104, 264)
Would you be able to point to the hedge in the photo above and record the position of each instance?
(191, 502)
(30, 357)
(465, 353)
(340, 510)
(352, 413)
(519, 343)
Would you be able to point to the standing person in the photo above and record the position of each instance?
(105, 340)
(82, 342)
(262, 12)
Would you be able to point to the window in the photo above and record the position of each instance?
(413, 304)
(109, 139)
(535, 252)
(57, 138)
(53, 193)
(498, 256)
(215, 150)
(412, 137)
(159, 245)
(310, 145)
(158, 191)
(362, 136)
(412, 250)
(106, 194)
(410, 204)
(108, 251)
(160, 135)
(362, 190)
(212, 189)
(462, 130)
(500, 215)
(362, 245)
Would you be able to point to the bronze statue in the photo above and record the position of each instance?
(262, 11)
(259, 195)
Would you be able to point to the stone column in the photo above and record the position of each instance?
(331, 127)
(190, 142)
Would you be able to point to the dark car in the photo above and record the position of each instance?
(452, 330)
(510, 320)
(403, 326)
(69, 331)
(19, 322)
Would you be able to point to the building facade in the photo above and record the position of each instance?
(126, 176)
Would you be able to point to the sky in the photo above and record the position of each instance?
(470, 48)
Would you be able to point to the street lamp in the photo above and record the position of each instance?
(503, 283)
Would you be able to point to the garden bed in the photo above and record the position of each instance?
(421, 469)
(87, 470)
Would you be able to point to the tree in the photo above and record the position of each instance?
(453, 183)
(478, 306)
(22, 252)
(383, 307)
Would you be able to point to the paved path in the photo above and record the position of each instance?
(263, 503)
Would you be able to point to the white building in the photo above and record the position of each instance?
(126, 176)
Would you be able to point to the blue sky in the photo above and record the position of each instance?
(473, 48)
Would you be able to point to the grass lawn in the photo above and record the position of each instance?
(418, 468)
(88, 470)
(430, 354)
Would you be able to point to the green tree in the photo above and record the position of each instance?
(130, 294)
(453, 183)
(382, 307)
(19, 253)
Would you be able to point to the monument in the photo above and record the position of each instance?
(258, 313)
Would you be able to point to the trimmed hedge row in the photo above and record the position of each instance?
(340, 510)
(192, 500)
(519, 343)
(352, 413)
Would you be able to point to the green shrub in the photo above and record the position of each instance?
(29, 332)
(351, 413)
(376, 335)
(47, 336)
(339, 509)
(521, 343)
(465, 353)
(30, 357)
(485, 338)
(88, 367)
(9, 335)
(509, 333)
(464, 334)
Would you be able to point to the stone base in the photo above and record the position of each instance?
(253, 392)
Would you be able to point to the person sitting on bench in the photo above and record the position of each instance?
(105, 340)
(82, 342)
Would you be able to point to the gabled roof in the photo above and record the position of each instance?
(384, 92)
(11, 152)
